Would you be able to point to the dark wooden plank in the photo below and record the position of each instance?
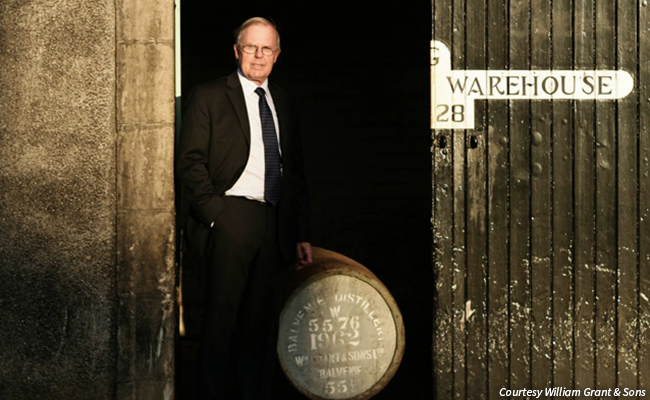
(459, 285)
(477, 374)
(443, 269)
(520, 293)
(442, 230)
(584, 197)
(457, 48)
(562, 258)
(627, 336)
(497, 148)
(605, 205)
(542, 116)
(460, 248)
(644, 201)
(476, 309)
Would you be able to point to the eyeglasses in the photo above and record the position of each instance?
(252, 49)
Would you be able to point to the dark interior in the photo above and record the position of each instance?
(361, 74)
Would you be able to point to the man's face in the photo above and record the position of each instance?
(257, 67)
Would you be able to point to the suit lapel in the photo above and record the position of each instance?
(282, 110)
(236, 96)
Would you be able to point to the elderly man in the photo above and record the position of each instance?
(240, 161)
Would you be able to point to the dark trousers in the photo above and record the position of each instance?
(245, 276)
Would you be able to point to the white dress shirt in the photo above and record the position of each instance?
(251, 182)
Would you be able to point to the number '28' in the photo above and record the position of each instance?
(457, 112)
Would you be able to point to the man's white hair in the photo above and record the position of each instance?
(255, 21)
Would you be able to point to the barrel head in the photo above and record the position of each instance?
(341, 336)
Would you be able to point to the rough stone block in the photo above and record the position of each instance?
(155, 323)
(146, 390)
(54, 318)
(58, 67)
(146, 252)
(154, 390)
(126, 391)
(57, 200)
(145, 83)
(139, 20)
(146, 329)
(145, 173)
(126, 344)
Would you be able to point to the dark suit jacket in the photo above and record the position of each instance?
(213, 151)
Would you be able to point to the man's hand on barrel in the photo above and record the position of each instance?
(303, 255)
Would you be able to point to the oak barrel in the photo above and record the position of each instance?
(341, 334)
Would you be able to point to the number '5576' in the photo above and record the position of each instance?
(342, 330)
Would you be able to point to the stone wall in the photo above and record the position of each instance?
(145, 203)
(57, 200)
(86, 200)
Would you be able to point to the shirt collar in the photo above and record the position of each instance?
(249, 86)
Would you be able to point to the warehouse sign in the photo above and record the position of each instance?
(453, 91)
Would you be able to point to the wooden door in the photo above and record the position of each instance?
(541, 212)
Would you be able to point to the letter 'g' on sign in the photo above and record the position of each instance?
(453, 91)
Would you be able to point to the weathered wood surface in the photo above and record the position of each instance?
(563, 212)
(541, 214)
(541, 190)
(628, 213)
(605, 205)
(443, 196)
(497, 203)
(520, 191)
(643, 278)
(459, 287)
(584, 203)
(476, 247)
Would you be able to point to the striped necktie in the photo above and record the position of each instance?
(272, 161)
